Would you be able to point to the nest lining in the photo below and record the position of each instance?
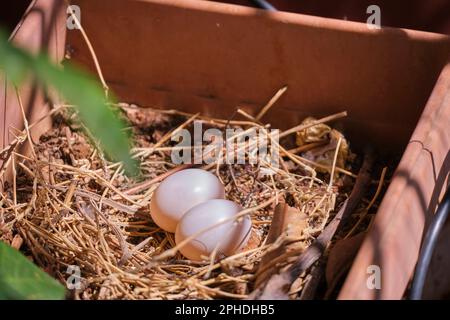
(72, 207)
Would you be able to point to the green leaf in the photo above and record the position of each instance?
(21, 279)
(78, 89)
(13, 64)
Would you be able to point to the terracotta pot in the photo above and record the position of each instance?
(210, 57)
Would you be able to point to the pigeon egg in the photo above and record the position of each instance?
(226, 238)
(180, 192)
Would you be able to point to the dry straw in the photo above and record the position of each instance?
(70, 210)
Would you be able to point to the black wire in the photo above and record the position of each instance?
(428, 246)
(263, 4)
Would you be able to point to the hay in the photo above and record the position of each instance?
(74, 208)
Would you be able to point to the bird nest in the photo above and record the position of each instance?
(78, 212)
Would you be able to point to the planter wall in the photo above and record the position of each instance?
(42, 29)
(432, 16)
(210, 57)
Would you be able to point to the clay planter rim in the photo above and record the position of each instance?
(393, 241)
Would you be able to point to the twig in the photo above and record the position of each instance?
(271, 103)
(308, 147)
(333, 168)
(301, 127)
(91, 50)
(147, 184)
(168, 135)
(372, 201)
(248, 116)
(96, 197)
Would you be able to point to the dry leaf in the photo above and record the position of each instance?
(315, 133)
(341, 258)
(324, 155)
(287, 222)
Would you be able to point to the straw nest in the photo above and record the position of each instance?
(74, 208)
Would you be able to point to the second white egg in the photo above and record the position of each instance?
(180, 192)
(226, 238)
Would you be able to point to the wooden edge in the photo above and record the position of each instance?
(296, 18)
(394, 239)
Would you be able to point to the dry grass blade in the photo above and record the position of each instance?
(271, 103)
(371, 203)
(301, 127)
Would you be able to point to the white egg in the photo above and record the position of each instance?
(227, 237)
(180, 192)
